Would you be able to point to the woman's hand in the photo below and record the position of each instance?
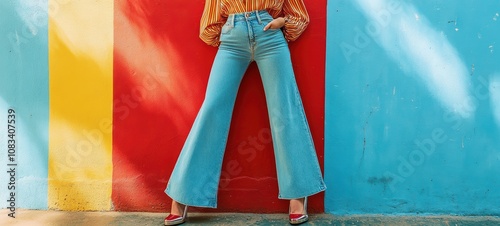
(275, 24)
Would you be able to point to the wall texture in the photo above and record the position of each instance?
(405, 96)
(412, 107)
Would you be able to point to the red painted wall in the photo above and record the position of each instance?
(161, 69)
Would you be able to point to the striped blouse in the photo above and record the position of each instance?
(216, 12)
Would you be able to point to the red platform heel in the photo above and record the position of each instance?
(172, 219)
(299, 218)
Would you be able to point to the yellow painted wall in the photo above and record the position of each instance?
(81, 100)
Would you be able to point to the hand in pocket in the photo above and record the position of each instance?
(275, 24)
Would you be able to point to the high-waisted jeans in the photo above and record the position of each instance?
(195, 178)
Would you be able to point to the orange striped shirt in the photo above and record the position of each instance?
(216, 12)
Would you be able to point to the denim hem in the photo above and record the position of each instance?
(207, 204)
(321, 189)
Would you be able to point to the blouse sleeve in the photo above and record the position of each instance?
(211, 22)
(298, 19)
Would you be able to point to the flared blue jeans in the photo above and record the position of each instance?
(195, 178)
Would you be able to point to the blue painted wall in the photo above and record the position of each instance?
(413, 107)
(24, 88)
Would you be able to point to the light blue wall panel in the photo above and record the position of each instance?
(24, 88)
(413, 107)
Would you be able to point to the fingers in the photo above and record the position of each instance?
(268, 26)
(274, 24)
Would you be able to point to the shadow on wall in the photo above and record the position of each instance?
(159, 87)
(80, 95)
(411, 41)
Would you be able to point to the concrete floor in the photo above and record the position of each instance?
(58, 218)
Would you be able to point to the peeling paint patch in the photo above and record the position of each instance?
(384, 181)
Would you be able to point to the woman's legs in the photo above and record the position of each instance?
(297, 205)
(177, 208)
(195, 178)
(297, 165)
